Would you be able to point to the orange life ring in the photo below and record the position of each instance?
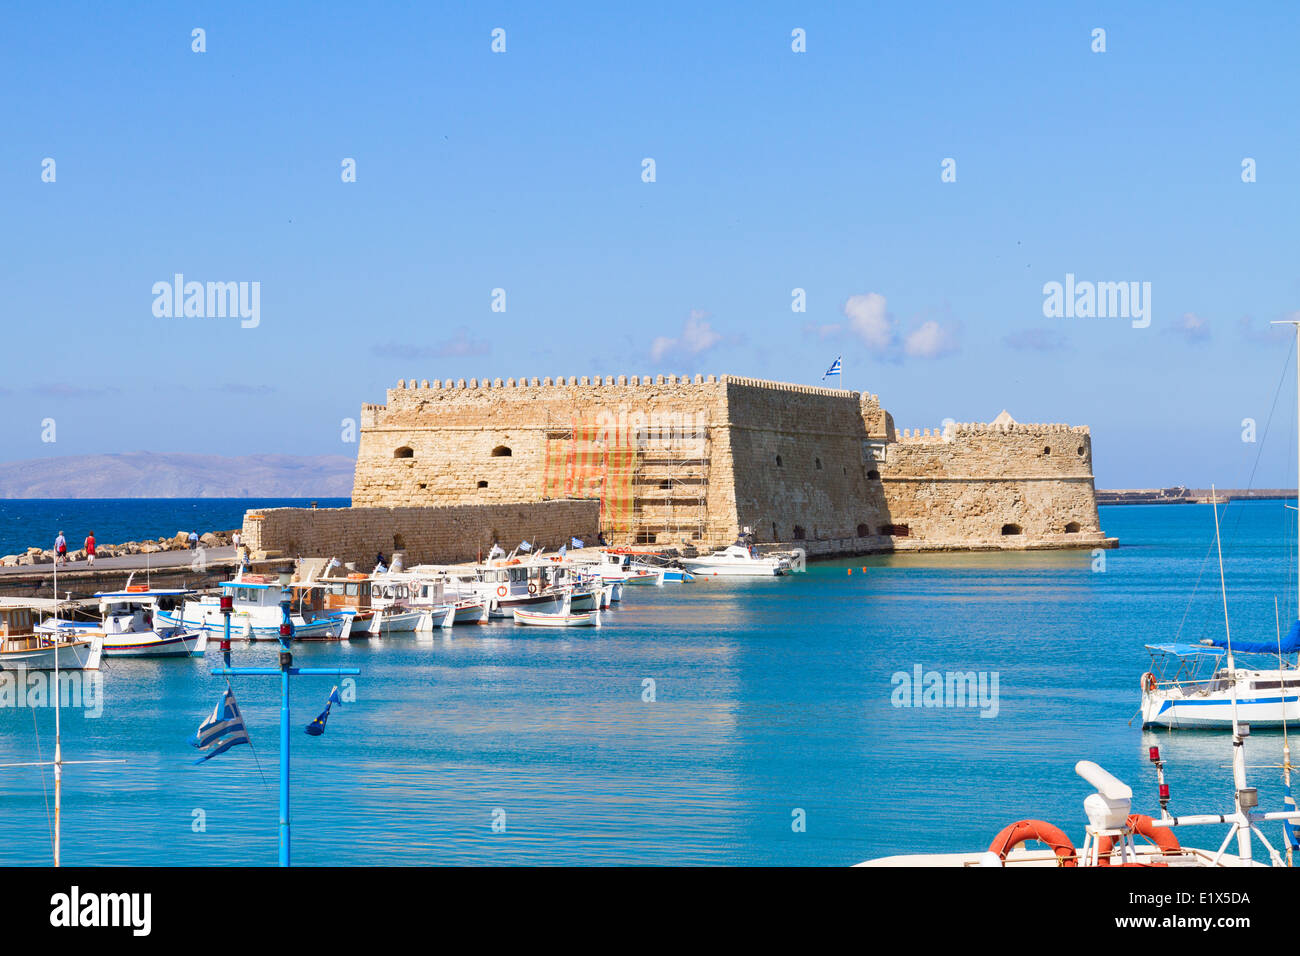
(502, 591)
(1017, 833)
(1148, 682)
(1139, 824)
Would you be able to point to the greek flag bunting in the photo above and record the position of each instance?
(221, 731)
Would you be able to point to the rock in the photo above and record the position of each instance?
(78, 555)
(33, 551)
(210, 540)
(181, 540)
(9, 561)
(150, 547)
(25, 559)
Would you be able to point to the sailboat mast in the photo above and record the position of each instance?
(1242, 825)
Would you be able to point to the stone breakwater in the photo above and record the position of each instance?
(178, 542)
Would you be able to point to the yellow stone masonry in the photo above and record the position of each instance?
(680, 459)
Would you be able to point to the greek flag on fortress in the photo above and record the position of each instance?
(833, 370)
(223, 730)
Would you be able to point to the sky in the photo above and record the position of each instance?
(921, 171)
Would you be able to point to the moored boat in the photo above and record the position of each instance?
(737, 560)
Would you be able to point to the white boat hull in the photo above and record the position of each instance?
(82, 655)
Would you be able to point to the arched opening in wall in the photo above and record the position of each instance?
(501, 451)
(1072, 528)
(424, 486)
(818, 463)
(775, 536)
(399, 543)
(864, 531)
(1079, 451)
(482, 484)
(873, 475)
(778, 461)
(1047, 450)
(406, 451)
(895, 530)
(799, 533)
(1011, 529)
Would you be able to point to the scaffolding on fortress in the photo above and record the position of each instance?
(652, 483)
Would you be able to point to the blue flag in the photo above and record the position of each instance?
(317, 726)
(576, 542)
(564, 549)
(834, 369)
(223, 730)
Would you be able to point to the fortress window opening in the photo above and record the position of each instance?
(482, 484)
(502, 451)
(864, 531)
(1047, 450)
(1011, 529)
(778, 461)
(406, 451)
(818, 463)
(1072, 528)
(799, 533)
(873, 475)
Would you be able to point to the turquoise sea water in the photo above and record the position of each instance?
(34, 522)
(771, 697)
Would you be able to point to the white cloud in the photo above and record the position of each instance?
(1191, 327)
(697, 336)
(929, 340)
(869, 320)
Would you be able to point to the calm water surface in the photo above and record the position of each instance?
(771, 696)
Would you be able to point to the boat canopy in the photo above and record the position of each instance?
(1187, 650)
(1290, 644)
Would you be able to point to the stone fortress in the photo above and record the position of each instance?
(672, 461)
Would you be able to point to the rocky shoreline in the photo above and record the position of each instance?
(178, 542)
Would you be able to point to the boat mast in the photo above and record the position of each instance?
(1242, 824)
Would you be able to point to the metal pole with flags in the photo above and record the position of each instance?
(284, 672)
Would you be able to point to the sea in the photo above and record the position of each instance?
(746, 721)
(35, 522)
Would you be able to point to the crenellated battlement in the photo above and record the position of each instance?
(617, 381)
(952, 431)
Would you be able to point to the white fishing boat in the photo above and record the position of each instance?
(130, 626)
(24, 645)
(562, 616)
(619, 566)
(737, 560)
(257, 614)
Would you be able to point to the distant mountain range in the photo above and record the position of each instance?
(143, 474)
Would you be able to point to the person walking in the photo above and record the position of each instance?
(90, 549)
(194, 540)
(60, 549)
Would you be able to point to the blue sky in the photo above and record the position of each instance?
(775, 170)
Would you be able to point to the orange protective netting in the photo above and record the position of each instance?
(594, 462)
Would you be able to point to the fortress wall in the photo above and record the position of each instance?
(568, 437)
(429, 535)
(676, 459)
(800, 472)
(963, 490)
